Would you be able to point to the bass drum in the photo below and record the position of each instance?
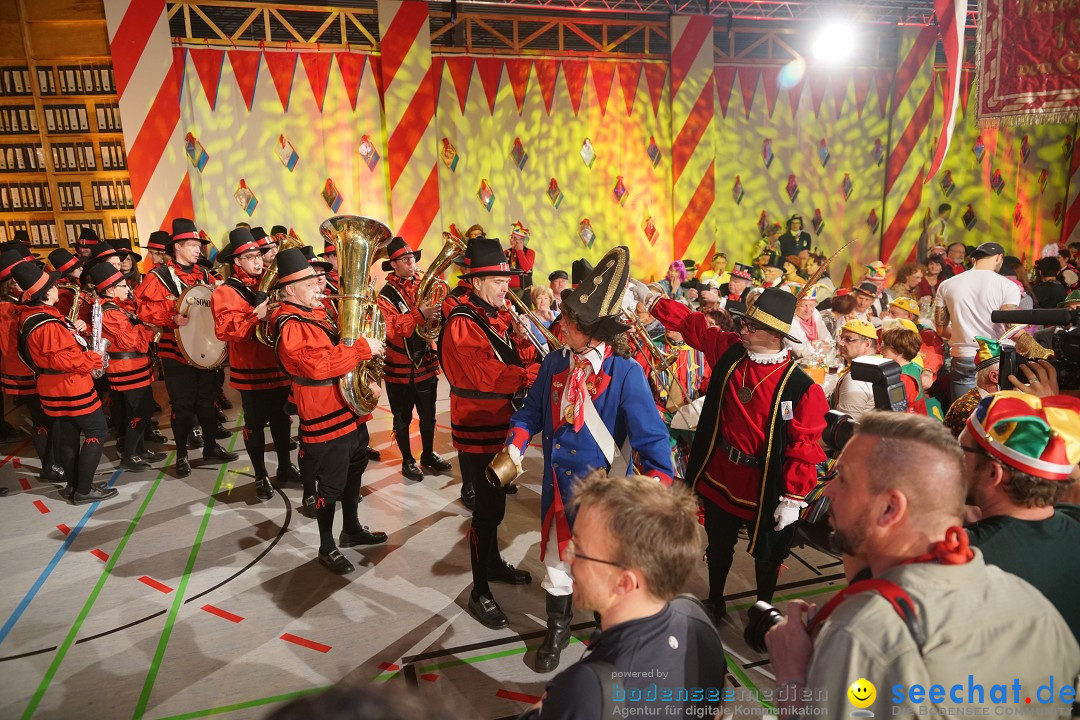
(198, 343)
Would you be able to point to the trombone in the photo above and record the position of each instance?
(518, 310)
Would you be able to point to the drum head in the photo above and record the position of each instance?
(197, 340)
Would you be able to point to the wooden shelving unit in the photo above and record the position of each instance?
(63, 162)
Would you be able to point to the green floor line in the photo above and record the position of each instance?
(178, 598)
(248, 704)
(62, 651)
(739, 673)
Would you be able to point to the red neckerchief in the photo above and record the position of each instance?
(576, 390)
(240, 274)
(953, 550)
(809, 328)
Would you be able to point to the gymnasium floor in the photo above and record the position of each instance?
(189, 598)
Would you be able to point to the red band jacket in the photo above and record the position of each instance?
(129, 348)
(63, 363)
(252, 365)
(408, 357)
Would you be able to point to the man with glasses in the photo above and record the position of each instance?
(857, 338)
(756, 449)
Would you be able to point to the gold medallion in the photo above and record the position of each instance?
(569, 415)
(745, 395)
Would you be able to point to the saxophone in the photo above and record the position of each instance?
(264, 331)
(359, 242)
(98, 343)
(76, 300)
(433, 288)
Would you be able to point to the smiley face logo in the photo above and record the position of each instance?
(862, 693)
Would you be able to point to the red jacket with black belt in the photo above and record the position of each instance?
(482, 383)
(129, 346)
(15, 377)
(408, 357)
(309, 350)
(62, 362)
(252, 365)
(157, 302)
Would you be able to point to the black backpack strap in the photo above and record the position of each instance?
(161, 272)
(28, 325)
(245, 292)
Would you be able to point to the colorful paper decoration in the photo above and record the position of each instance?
(872, 221)
(818, 222)
(767, 153)
(737, 190)
(1018, 215)
(587, 153)
(823, 152)
(486, 195)
(878, 152)
(1043, 175)
(847, 186)
(586, 233)
(947, 184)
(762, 223)
(979, 148)
(555, 195)
(453, 232)
(286, 153)
(449, 154)
(997, 182)
(195, 152)
(245, 198)
(368, 152)
(654, 151)
(620, 190)
(331, 196)
(517, 228)
(792, 188)
(518, 154)
(649, 228)
(969, 218)
(1025, 148)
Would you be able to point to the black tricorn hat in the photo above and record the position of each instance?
(485, 258)
(398, 248)
(63, 261)
(33, 281)
(600, 294)
(320, 265)
(241, 240)
(773, 310)
(104, 276)
(578, 270)
(293, 266)
(123, 246)
(184, 229)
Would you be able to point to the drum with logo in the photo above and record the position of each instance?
(197, 341)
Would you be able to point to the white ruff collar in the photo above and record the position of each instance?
(768, 359)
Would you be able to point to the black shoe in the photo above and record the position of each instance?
(435, 464)
(183, 467)
(468, 498)
(221, 418)
(506, 573)
(220, 433)
(291, 473)
(195, 439)
(214, 451)
(155, 436)
(511, 489)
(307, 508)
(716, 610)
(96, 494)
(364, 537)
(559, 615)
(135, 463)
(263, 489)
(487, 612)
(373, 454)
(52, 474)
(152, 456)
(335, 562)
(224, 403)
(410, 471)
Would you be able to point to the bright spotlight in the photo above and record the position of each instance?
(834, 43)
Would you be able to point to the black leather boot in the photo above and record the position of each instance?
(559, 613)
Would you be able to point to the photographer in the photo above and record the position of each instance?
(857, 338)
(966, 622)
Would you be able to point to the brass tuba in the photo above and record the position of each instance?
(433, 288)
(359, 241)
(264, 331)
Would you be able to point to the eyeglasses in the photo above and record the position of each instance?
(572, 554)
(850, 339)
(979, 451)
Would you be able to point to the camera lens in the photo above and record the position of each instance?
(760, 618)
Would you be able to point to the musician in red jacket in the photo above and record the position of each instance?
(412, 366)
(239, 307)
(192, 390)
(488, 365)
(70, 269)
(520, 258)
(333, 438)
(52, 347)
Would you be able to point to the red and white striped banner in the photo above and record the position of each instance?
(1071, 225)
(951, 17)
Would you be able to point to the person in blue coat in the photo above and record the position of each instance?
(590, 401)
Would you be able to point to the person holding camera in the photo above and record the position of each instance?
(935, 624)
(857, 338)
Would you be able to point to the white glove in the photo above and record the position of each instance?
(787, 512)
(640, 290)
(515, 456)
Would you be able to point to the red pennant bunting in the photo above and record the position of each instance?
(574, 72)
(795, 94)
(725, 83)
(838, 83)
(208, 63)
(281, 66)
(375, 63)
(435, 76)
(770, 77)
(863, 78)
(748, 77)
(245, 66)
(846, 282)
(883, 82)
(655, 74)
(629, 77)
(490, 70)
(518, 71)
(317, 66)
(965, 88)
(603, 74)
(547, 72)
(818, 81)
(179, 58)
(351, 66)
(461, 73)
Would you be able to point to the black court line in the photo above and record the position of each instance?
(835, 563)
(193, 598)
(809, 566)
(789, 586)
(755, 664)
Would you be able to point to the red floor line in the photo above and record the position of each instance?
(430, 677)
(64, 529)
(519, 697)
(304, 642)
(389, 667)
(151, 582)
(24, 483)
(18, 448)
(223, 614)
(100, 555)
(41, 507)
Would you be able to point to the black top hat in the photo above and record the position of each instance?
(33, 281)
(279, 230)
(398, 248)
(775, 261)
(184, 229)
(158, 240)
(100, 252)
(21, 236)
(742, 271)
(87, 236)
(123, 246)
(241, 240)
(691, 267)
(293, 266)
(104, 276)
(328, 248)
(558, 275)
(10, 258)
(773, 310)
(578, 270)
(485, 258)
(63, 261)
(600, 294)
(320, 265)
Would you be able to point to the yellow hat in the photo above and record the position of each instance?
(906, 304)
(861, 327)
(908, 325)
(988, 354)
(877, 269)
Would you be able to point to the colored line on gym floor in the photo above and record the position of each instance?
(304, 642)
(24, 484)
(41, 507)
(430, 677)
(14, 453)
(745, 680)
(159, 586)
(64, 529)
(223, 614)
(517, 697)
(36, 587)
(248, 704)
(100, 555)
(178, 598)
(62, 651)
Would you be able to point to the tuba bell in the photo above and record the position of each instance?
(359, 241)
(433, 288)
(264, 331)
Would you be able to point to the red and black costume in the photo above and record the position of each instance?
(130, 373)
